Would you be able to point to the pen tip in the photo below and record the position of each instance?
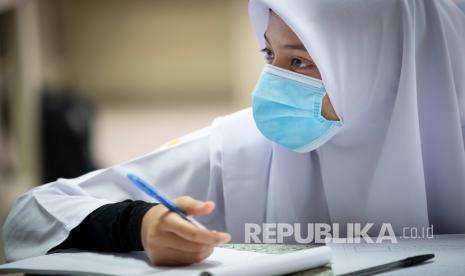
(418, 259)
(133, 177)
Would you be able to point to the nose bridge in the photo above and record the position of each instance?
(279, 61)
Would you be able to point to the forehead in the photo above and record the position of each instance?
(278, 31)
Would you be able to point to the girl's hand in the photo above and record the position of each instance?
(168, 239)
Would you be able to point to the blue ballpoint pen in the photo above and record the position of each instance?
(152, 192)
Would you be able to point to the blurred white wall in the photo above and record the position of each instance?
(177, 50)
(125, 52)
(149, 57)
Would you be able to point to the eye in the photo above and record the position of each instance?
(301, 64)
(267, 54)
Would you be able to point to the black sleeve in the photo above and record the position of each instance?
(112, 227)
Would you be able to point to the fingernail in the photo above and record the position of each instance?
(226, 237)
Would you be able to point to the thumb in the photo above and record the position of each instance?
(193, 207)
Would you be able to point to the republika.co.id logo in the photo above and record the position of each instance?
(324, 233)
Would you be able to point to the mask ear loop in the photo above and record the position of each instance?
(339, 122)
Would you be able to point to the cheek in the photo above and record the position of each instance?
(313, 72)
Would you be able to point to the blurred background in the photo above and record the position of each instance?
(86, 84)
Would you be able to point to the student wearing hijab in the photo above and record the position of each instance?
(358, 117)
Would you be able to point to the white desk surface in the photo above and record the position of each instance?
(449, 251)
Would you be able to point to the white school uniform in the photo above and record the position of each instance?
(394, 71)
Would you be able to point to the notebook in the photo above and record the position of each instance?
(223, 261)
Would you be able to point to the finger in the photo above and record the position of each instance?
(174, 223)
(194, 207)
(206, 208)
(173, 257)
(174, 241)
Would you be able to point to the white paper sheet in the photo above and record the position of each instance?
(449, 251)
(222, 262)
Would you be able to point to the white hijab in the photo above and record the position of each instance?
(395, 74)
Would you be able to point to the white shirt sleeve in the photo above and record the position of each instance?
(43, 217)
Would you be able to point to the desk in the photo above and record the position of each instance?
(449, 251)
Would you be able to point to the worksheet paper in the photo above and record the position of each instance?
(449, 251)
(222, 262)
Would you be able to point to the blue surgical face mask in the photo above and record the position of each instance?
(287, 109)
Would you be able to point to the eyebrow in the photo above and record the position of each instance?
(289, 46)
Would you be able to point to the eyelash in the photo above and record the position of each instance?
(267, 53)
(269, 56)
